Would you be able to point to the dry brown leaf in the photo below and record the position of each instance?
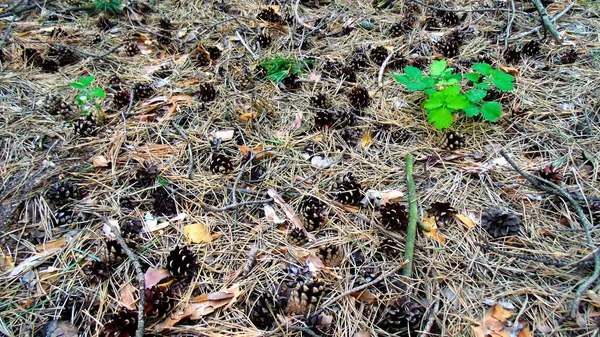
(59, 243)
(189, 82)
(100, 161)
(365, 296)
(154, 276)
(525, 333)
(6, 261)
(207, 303)
(499, 313)
(171, 321)
(430, 222)
(247, 116)
(298, 120)
(127, 297)
(289, 213)
(366, 140)
(197, 233)
(465, 220)
(509, 70)
(133, 15)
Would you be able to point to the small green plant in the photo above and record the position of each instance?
(279, 67)
(445, 95)
(113, 6)
(88, 98)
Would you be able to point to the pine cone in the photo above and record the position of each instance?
(394, 216)
(245, 82)
(165, 23)
(366, 275)
(97, 271)
(442, 211)
(114, 251)
(200, 57)
(297, 237)
(122, 323)
(449, 49)
(64, 217)
(396, 30)
(104, 23)
(500, 224)
(359, 97)
(569, 56)
(85, 126)
(324, 118)
(131, 49)
(266, 305)
(389, 248)
(531, 48)
(121, 99)
(331, 255)
(49, 66)
(142, 91)
(159, 301)
(400, 315)
(348, 191)
(314, 213)
(131, 230)
(206, 92)
(320, 101)
(304, 296)
(319, 323)
(146, 174)
(448, 19)
(163, 202)
(453, 141)
(164, 37)
(213, 52)
(221, 164)
(419, 62)
(163, 72)
(378, 55)
(115, 82)
(511, 55)
(181, 262)
(348, 117)
(62, 55)
(350, 136)
(269, 15)
(358, 60)
(549, 173)
(62, 192)
(290, 82)
(55, 105)
(264, 40)
(348, 74)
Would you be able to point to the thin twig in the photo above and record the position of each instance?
(189, 146)
(553, 20)
(297, 17)
(235, 206)
(411, 231)
(431, 319)
(242, 170)
(139, 272)
(237, 33)
(546, 21)
(551, 187)
(510, 22)
(380, 278)
(481, 10)
(383, 65)
(540, 259)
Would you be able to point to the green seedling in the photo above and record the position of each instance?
(89, 98)
(278, 68)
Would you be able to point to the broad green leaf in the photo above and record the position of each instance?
(471, 110)
(482, 86)
(87, 80)
(457, 102)
(437, 67)
(98, 92)
(440, 117)
(472, 77)
(413, 73)
(434, 102)
(447, 73)
(415, 86)
(482, 68)
(402, 79)
(453, 90)
(476, 95)
(502, 80)
(491, 111)
(77, 85)
(430, 91)
(429, 82)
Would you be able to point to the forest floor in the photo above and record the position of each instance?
(205, 162)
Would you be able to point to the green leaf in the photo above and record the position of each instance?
(413, 73)
(482, 68)
(430, 91)
(87, 80)
(472, 110)
(98, 92)
(77, 85)
(476, 95)
(472, 77)
(278, 76)
(502, 80)
(163, 181)
(429, 82)
(402, 79)
(491, 111)
(440, 117)
(482, 86)
(437, 67)
(435, 101)
(457, 102)
(415, 86)
(453, 90)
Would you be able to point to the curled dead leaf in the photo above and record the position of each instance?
(365, 296)
(100, 161)
(433, 233)
(197, 233)
(465, 220)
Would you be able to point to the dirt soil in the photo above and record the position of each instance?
(205, 163)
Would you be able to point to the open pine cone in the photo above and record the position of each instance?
(314, 213)
(122, 323)
(394, 216)
(304, 296)
(159, 301)
(331, 255)
(62, 192)
(348, 191)
(266, 305)
(181, 262)
(500, 224)
(402, 314)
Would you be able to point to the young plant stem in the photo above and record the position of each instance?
(411, 232)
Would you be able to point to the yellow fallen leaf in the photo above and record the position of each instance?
(197, 233)
(99, 161)
(465, 220)
(246, 116)
(525, 333)
(366, 140)
(59, 243)
(499, 313)
(429, 221)
(6, 261)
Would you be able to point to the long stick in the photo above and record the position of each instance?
(546, 21)
(411, 232)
